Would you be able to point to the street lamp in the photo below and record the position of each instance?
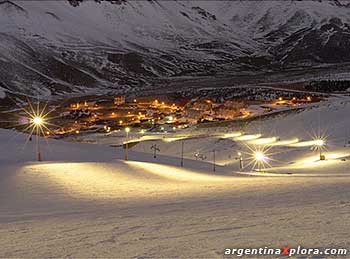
(260, 159)
(182, 153)
(319, 143)
(259, 156)
(155, 150)
(37, 123)
(240, 161)
(127, 130)
(214, 161)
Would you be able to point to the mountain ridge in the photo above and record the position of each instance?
(81, 47)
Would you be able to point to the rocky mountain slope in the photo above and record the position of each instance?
(66, 47)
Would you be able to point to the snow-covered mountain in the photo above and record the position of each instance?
(75, 46)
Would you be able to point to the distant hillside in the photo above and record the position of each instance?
(79, 47)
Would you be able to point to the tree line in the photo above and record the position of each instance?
(328, 86)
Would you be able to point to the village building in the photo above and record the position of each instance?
(229, 110)
(119, 100)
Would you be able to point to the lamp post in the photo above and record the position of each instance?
(260, 158)
(182, 153)
(155, 150)
(320, 143)
(38, 122)
(127, 130)
(214, 162)
(240, 161)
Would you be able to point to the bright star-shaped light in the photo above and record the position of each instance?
(319, 142)
(260, 156)
(37, 121)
